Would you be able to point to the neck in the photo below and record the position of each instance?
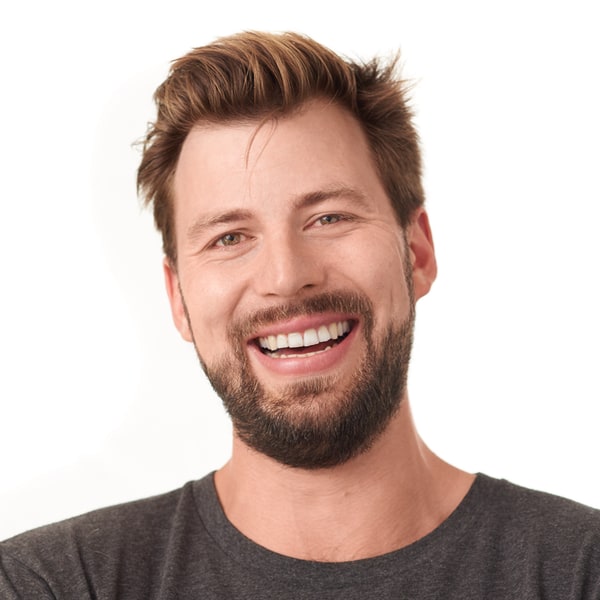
(386, 498)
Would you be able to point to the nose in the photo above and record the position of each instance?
(288, 266)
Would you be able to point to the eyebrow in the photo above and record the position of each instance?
(200, 225)
(203, 223)
(312, 198)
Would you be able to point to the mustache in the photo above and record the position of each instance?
(342, 301)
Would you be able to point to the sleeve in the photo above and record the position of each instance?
(19, 582)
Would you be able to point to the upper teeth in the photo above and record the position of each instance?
(310, 337)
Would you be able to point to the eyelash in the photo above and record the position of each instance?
(336, 218)
(218, 242)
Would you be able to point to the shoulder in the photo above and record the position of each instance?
(111, 523)
(554, 539)
(535, 511)
(101, 545)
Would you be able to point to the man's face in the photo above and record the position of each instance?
(295, 282)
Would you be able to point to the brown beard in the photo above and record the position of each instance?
(314, 423)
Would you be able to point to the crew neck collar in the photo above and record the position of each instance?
(251, 555)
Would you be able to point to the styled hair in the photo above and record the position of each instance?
(253, 76)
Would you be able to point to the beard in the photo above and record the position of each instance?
(316, 422)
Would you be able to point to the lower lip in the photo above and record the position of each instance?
(304, 366)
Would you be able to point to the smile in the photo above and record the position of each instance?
(295, 345)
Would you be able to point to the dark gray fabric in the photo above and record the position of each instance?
(502, 542)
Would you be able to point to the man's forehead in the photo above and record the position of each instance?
(300, 160)
(254, 133)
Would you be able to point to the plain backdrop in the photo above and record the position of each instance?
(101, 402)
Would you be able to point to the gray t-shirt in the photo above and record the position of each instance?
(502, 542)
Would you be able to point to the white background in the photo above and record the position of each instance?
(100, 402)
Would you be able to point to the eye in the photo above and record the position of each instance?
(329, 219)
(229, 239)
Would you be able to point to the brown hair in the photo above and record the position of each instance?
(254, 76)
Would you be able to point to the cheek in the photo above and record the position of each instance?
(379, 270)
(211, 301)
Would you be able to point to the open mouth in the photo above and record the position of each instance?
(306, 343)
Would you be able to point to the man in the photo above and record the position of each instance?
(286, 185)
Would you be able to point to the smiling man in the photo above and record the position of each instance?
(286, 184)
(294, 280)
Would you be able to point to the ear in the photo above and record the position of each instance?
(422, 253)
(178, 310)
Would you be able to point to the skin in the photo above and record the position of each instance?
(268, 215)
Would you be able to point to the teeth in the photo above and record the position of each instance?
(333, 331)
(310, 337)
(282, 342)
(305, 339)
(295, 340)
(323, 334)
(300, 355)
